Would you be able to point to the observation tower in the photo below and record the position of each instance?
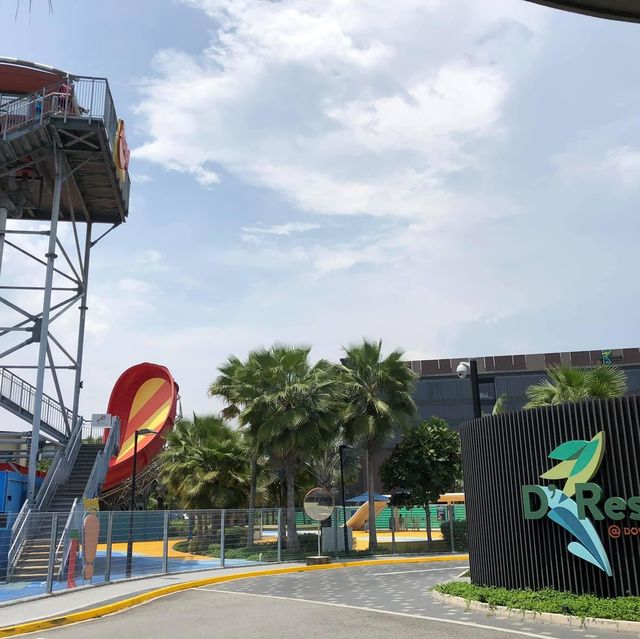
(64, 185)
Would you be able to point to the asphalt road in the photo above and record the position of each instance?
(372, 602)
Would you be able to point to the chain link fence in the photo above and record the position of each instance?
(58, 551)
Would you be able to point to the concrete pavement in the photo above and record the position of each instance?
(368, 601)
(83, 598)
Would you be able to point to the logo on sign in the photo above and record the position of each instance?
(579, 461)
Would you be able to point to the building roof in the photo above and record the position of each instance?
(531, 363)
(627, 10)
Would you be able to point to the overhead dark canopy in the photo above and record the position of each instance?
(628, 10)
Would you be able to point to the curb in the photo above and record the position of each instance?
(74, 617)
(588, 623)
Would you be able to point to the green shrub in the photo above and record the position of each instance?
(460, 539)
(234, 537)
(178, 527)
(181, 546)
(198, 545)
(547, 600)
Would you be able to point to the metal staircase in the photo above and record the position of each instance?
(42, 530)
(18, 396)
(32, 561)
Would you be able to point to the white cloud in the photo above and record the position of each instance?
(340, 108)
(140, 178)
(282, 229)
(618, 166)
(460, 98)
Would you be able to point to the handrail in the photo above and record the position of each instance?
(22, 394)
(73, 445)
(18, 534)
(64, 544)
(51, 481)
(72, 97)
(101, 463)
(60, 468)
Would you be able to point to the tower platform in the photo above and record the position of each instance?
(74, 115)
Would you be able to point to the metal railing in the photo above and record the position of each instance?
(21, 394)
(19, 533)
(73, 523)
(60, 467)
(55, 476)
(74, 97)
(101, 464)
(175, 541)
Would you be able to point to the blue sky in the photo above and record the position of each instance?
(455, 177)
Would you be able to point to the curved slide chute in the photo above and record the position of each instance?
(145, 396)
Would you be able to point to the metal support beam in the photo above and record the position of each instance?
(56, 383)
(77, 386)
(44, 327)
(3, 228)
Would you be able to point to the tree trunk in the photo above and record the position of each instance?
(427, 511)
(252, 498)
(373, 537)
(293, 543)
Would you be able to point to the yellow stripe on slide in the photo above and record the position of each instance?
(153, 423)
(144, 394)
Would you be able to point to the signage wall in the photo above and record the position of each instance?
(553, 497)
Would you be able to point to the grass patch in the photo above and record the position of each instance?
(547, 600)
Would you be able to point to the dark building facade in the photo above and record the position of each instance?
(439, 391)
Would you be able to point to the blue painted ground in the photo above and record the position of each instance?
(141, 566)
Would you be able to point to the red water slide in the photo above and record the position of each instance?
(145, 396)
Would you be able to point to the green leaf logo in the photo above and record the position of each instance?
(579, 462)
(568, 450)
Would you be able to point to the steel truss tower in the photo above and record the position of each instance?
(63, 174)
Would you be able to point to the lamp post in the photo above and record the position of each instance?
(344, 501)
(470, 369)
(141, 431)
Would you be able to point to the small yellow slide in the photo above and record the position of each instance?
(361, 516)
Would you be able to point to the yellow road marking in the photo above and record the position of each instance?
(108, 609)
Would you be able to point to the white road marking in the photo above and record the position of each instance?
(405, 572)
(468, 624)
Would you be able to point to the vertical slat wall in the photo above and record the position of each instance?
(502, 453)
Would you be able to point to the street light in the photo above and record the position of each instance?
(143, 432)
(471, 368)
(344, 503)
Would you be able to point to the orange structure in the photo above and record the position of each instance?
(145, 396)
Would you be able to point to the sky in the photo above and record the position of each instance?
(454, 177)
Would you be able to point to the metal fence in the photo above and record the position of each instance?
(61, 550)
(75, 97)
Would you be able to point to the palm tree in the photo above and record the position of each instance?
(378, 396)
(235, 384)
(296, 405)
(324, 466)
(204, 464)
(568, 384)
(500, 406)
